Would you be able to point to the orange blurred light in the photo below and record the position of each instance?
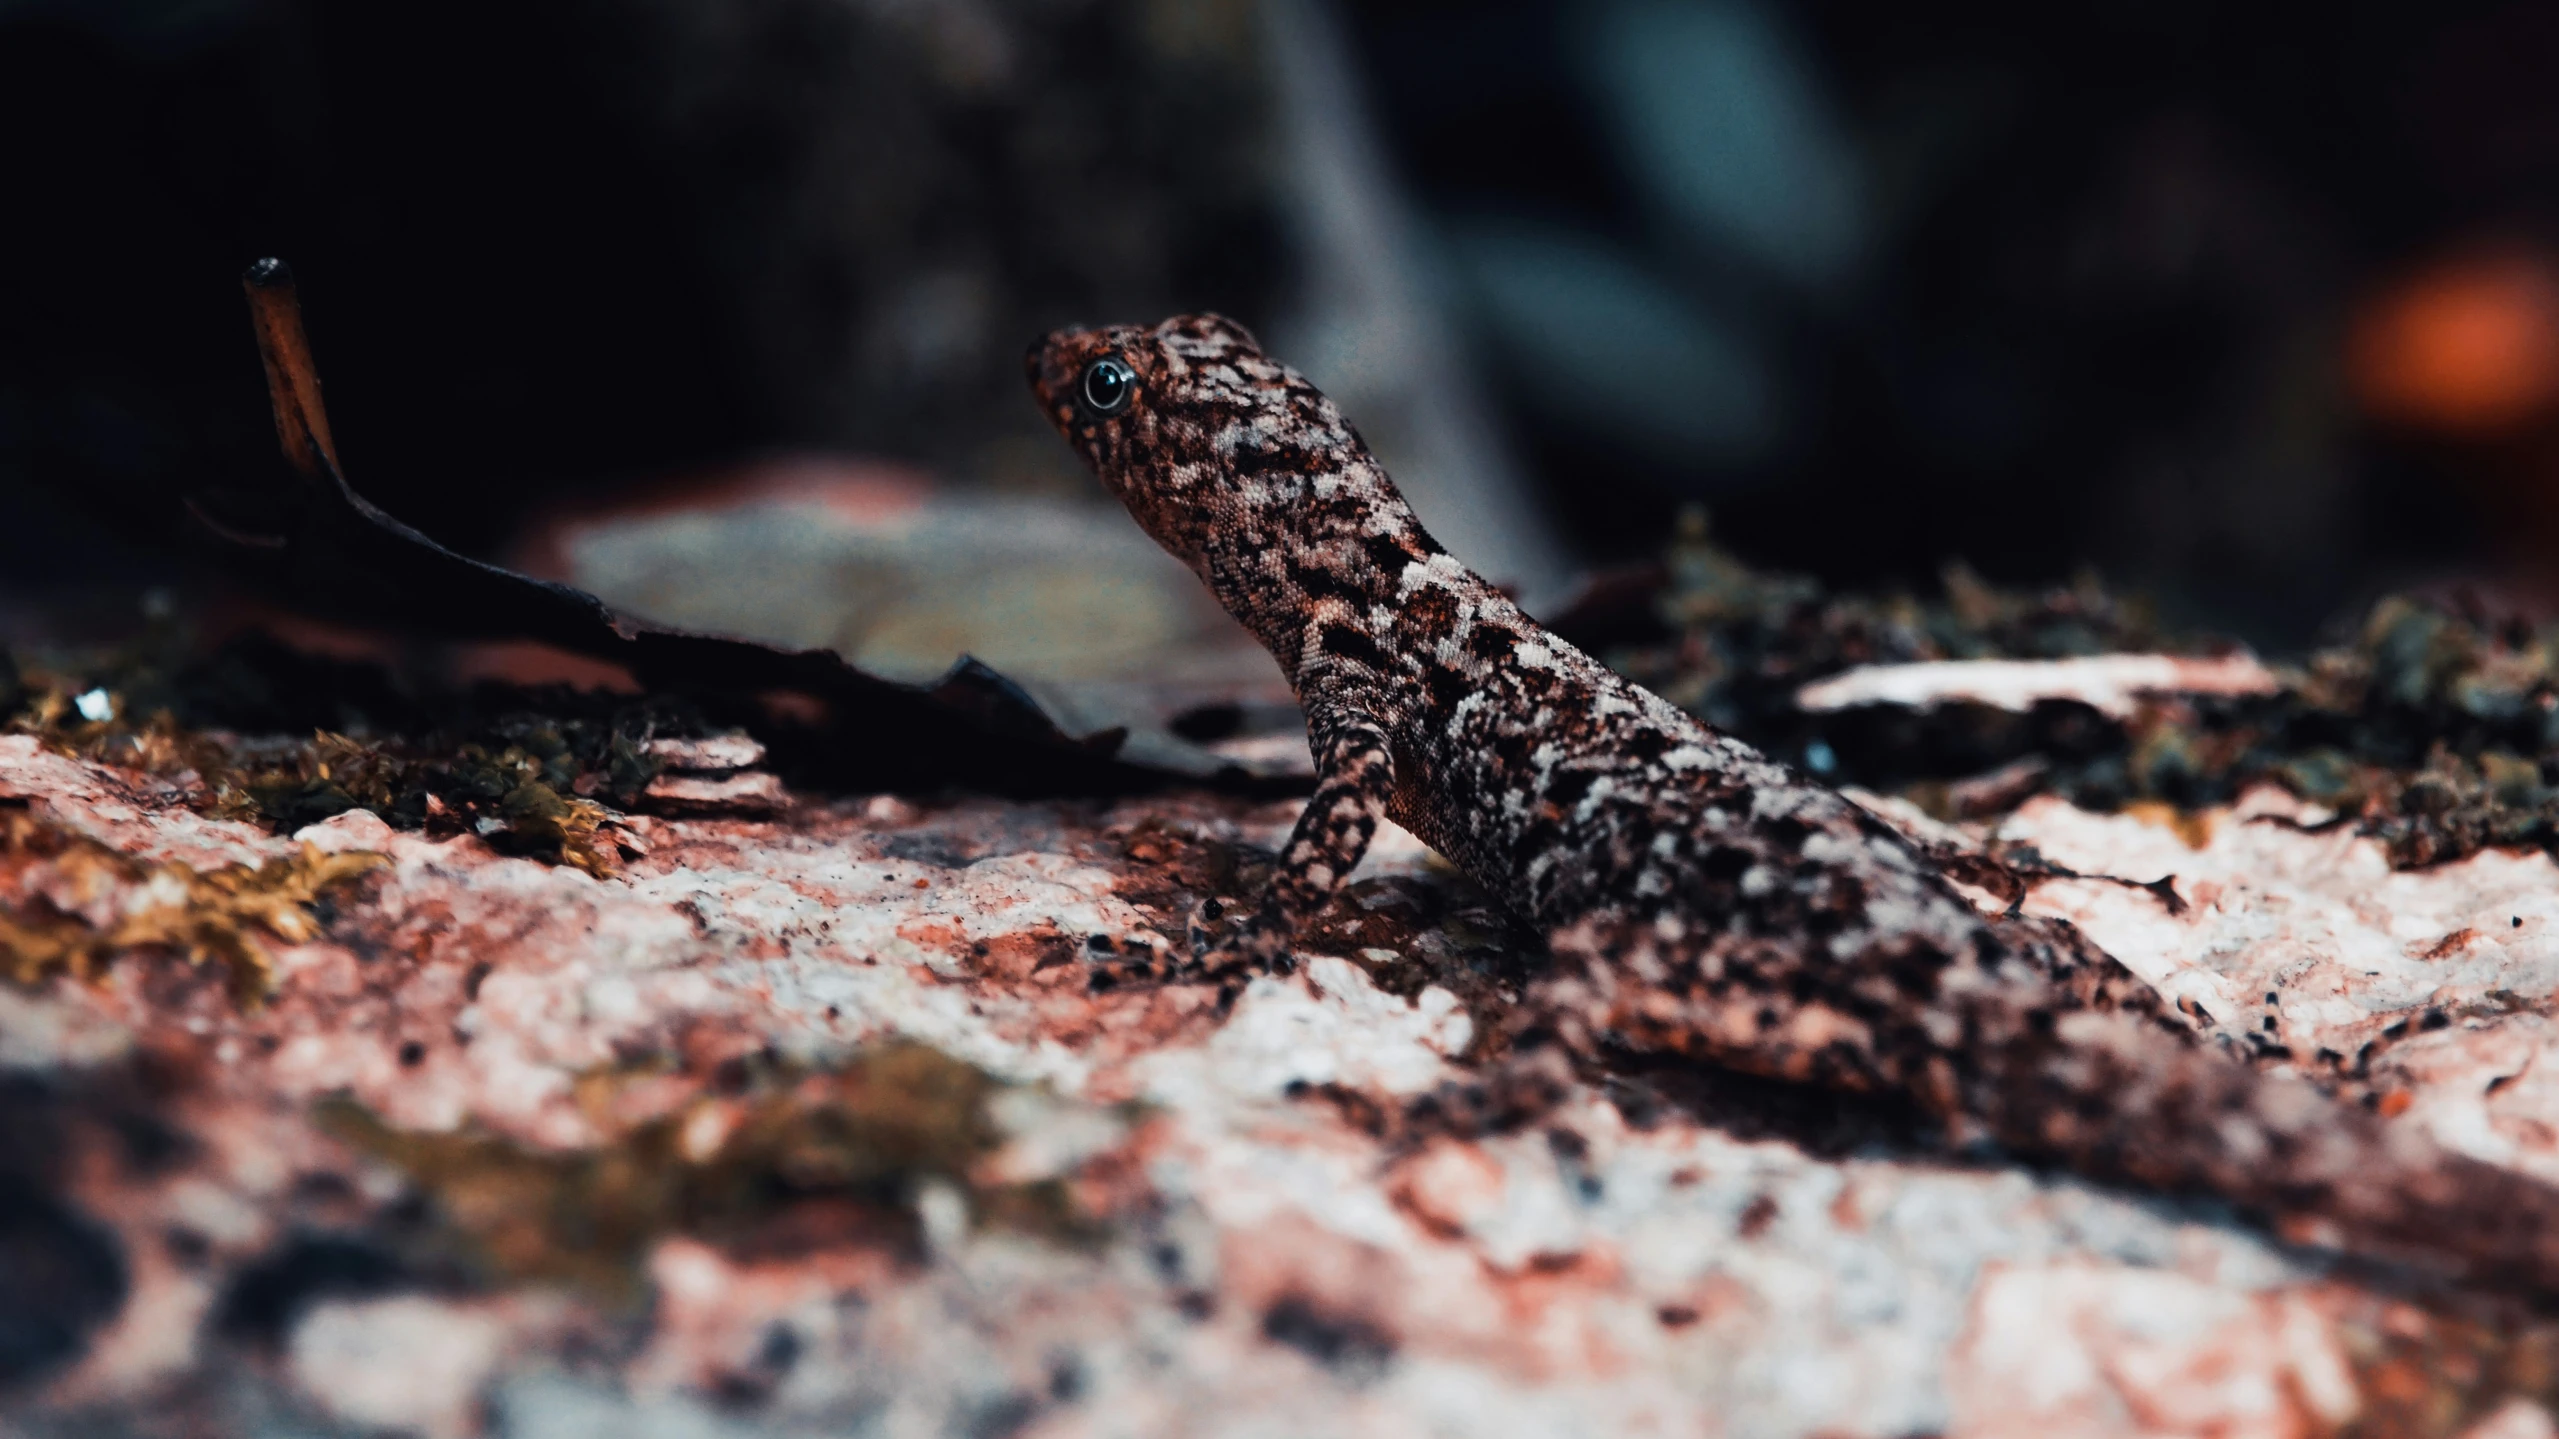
(2469, 346)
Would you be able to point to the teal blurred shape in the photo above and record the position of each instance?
(1597, 342)
(1728, 132)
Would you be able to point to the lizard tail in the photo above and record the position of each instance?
(2059, 1060)
(2117, 1097)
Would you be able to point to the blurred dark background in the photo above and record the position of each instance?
(2252, 307)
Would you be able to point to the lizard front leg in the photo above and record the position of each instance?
(1355, 769)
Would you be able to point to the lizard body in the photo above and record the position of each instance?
(1700, 898)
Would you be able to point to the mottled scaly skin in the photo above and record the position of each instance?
(1701, 898)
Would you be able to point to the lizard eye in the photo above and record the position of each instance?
(1107, 387)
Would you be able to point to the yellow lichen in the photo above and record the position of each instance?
(849, 1149)
(157, 744)
(522, 785)
(79, 904)
(538, 812)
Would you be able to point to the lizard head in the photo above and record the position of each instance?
(1187, 423)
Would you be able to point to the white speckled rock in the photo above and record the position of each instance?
(1280, 1250)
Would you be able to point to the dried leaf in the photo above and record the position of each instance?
(325, 549)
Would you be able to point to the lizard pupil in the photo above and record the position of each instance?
(1108, 385)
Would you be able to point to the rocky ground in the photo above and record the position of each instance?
(811, 1123)
(586, 1067)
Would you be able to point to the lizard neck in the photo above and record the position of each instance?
(1321, 548)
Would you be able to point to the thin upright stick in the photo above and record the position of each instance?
(293, 382)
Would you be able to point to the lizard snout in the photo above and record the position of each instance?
(1040, 366)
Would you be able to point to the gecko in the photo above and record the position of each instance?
(1701, 900)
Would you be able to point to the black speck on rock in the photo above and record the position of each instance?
(1001, 1417)
(266, 1297)
(939, 850)
(1340, 1342)
(61, 1276)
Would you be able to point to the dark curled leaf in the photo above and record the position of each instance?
(324, 549)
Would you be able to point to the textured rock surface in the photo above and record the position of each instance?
(811, 1124)
(2109, 684)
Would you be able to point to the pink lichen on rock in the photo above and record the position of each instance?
(1188, 1212)
(2433, 985)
